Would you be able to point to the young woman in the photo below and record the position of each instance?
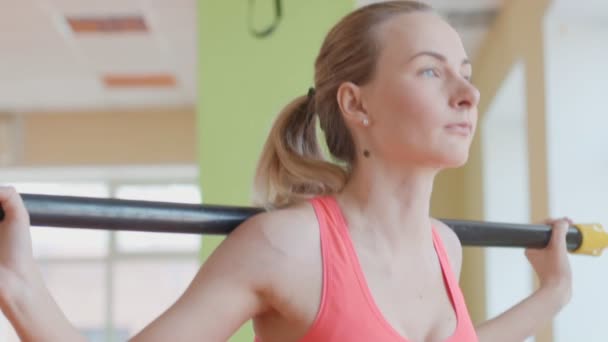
(349, 252)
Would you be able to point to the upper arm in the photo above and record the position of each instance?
(452, 246)
(225, 293)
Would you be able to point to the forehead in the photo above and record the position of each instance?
(408, 34)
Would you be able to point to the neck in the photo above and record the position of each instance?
(391, 205)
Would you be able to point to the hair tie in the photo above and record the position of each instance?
(311, 93)
(310, 110)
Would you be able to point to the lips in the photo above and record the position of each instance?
(460, 128)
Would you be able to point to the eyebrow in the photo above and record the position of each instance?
(438, 56)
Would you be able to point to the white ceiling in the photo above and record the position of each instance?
(44, 66)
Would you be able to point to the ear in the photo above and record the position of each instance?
(351, 104)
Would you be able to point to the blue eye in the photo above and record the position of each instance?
(430, 72)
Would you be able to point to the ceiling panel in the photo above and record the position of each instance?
(45, 65)
(96, 7)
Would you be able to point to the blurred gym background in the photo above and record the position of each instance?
(171, 100)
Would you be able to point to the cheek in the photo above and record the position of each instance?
(414, 132)
(410, 113)
(411, 98)
(418, 113)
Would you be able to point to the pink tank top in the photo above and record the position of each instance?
(347, 311)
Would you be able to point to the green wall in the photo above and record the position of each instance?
(243, 82)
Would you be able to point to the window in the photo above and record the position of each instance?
(112, 284)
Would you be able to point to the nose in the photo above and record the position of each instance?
(465, 96)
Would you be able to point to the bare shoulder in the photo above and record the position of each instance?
(273, 241)
(451, 243)
(283, 230)
(281, 251)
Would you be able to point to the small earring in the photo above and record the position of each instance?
(365, 122)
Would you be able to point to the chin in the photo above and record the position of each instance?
(453, 161)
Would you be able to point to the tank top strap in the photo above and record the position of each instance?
(332, 229)
(449, 277)
(442, 254)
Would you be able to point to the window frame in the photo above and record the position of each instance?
(113, 178)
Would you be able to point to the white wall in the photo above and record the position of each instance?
(508, 274)
(577, 85)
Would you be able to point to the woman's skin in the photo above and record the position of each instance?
(421, 110)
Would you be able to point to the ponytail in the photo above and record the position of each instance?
(292, 167)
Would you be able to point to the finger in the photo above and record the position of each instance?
(566, 221)
(11, 201)
(7, 195)
(550, 221)
(5, 192)
(559, 232)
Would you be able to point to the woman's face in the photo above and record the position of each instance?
(422, 107)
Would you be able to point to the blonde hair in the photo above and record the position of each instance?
(292, 167)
